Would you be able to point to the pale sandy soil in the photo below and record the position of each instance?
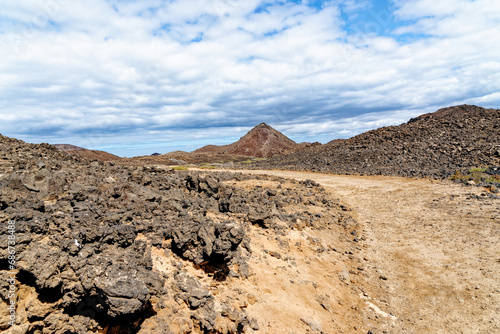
(428, 261)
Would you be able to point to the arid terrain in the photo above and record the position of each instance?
(110, 248)
(113, 245)
(430, 253)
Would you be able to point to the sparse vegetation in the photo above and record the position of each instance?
(252, 160)
(180, 168)
(207, 166)
(478, 175)
(477, 169)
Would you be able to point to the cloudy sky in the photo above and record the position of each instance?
(137, 77)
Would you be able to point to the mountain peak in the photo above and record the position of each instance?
(262, 126)
(261, 141)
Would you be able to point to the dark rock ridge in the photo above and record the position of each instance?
(86, 232)
(431, 145)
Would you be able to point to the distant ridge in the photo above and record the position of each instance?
(89, 154)
(262, 141)
(434, 144)
(68, 147)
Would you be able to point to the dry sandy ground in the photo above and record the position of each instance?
(296, 283)
(428, 259)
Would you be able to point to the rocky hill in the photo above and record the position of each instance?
(68, 147)
(262, 141)
(85, 153)
(102, 247)
(435, 144)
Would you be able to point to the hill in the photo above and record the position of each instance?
(435, 144)
(262, 142)
(68, 147)
(85, 153)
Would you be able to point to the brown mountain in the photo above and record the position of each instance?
(68, 147)
(89, 154)
(262, 141)
(435, 144)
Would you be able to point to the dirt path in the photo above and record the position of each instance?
(430, 252)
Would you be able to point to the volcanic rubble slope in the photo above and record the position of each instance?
(109, 248)
(185, 158)
(85, 153)
(431, 145)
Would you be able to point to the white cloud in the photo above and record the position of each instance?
(449, 17)
(114, 68)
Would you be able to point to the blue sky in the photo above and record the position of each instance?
(137, 77)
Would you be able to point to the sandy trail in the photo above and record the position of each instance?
(430, 252)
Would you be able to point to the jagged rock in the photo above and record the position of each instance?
(198, 298)
(314, 324)
(155, 326)
(344, 276)
(324, 301)
(192, 292)
(254, 324)
(122, 235)
(200, 240)
(124, 294)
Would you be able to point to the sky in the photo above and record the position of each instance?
(139, 77)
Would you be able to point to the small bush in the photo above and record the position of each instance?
(477, 169)
(180, 168)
